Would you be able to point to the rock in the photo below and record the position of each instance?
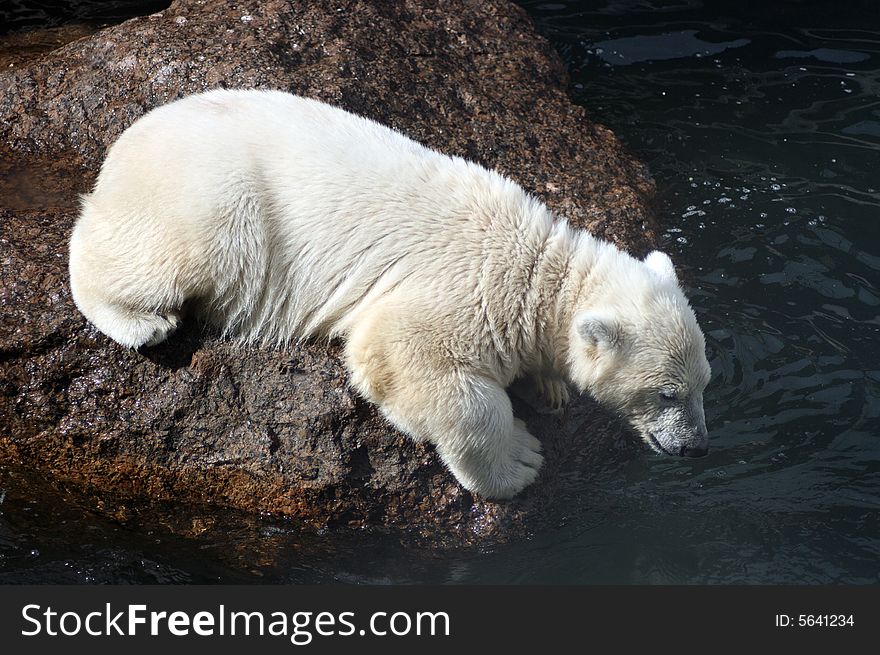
(200, 420)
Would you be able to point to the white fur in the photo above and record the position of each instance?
(281, 218)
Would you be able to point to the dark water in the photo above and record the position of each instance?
(30, 14)
(762, 129)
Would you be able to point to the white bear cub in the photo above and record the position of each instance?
(277, 218)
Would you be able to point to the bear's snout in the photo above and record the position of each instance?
(694, 451)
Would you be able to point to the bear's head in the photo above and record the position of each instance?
(636, 347)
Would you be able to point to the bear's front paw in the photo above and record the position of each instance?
(554, 391)
(512, 467)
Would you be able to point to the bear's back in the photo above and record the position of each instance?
(304, 212)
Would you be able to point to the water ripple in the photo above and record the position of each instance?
(766, 155)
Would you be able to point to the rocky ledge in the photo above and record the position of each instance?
(203, 421)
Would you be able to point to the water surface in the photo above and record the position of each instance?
(763, 133)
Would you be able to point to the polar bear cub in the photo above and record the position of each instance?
(279, 218)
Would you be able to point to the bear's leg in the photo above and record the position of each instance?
(488, 450)
(553, 390)
(469, 420)
(467, 416)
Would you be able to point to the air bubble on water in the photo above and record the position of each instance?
(707, 202)
(775, 187)
(763, 214)
(691, 208)
(791, 210)
(674, 230)
(759, 225)
(723, 200)
(682, 240)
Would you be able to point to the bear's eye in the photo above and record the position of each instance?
(667, 395)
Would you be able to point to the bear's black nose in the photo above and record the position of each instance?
(699, 451)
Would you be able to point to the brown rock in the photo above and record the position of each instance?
(21, 47)
(201, 420)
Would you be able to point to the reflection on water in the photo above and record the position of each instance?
(764, 137)
(676, 45)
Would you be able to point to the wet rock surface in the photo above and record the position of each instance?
(204, 421)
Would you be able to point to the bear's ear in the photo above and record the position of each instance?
(598, 329)
(661, 265)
